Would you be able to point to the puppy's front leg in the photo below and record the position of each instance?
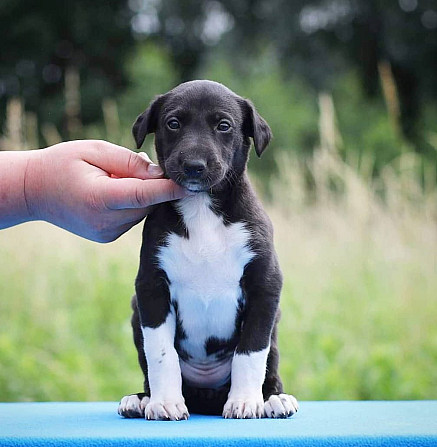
(158, 325)
(166, 400)
(261, 285)
(245, 399)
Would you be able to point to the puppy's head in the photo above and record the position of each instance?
(202, 134)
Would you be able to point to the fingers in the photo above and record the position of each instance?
(121, 162)
(152, 169)
(124, 193)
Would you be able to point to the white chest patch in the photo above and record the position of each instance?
(204, 273)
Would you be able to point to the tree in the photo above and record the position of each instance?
(320, 39)
(41, 41)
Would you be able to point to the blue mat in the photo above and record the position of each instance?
(317, 424)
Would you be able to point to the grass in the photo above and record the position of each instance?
(359, 300)
(64, 315)
(360, 285)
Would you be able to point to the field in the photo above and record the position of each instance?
(359, 302)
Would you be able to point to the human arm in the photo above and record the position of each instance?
(94, 189)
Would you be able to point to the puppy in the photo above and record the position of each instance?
(208, 286)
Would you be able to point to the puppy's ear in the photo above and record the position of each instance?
(146, 123)
(256, 127)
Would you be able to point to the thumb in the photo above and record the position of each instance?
(125, 193)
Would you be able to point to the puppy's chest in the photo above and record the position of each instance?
(204, 272)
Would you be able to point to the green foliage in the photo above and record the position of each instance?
(151, 74)
(40, 42)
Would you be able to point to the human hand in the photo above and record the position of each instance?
(94, 189)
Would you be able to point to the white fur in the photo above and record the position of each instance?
(280, 406)
(245, 398)
(204, 273)
(162, 359)
(133, 404)
(164, 373)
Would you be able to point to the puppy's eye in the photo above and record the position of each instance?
(223, 126)
(173, 124)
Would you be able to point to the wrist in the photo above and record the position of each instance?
(14, 166)
(33, 185)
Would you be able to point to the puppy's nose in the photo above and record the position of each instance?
(194, 169)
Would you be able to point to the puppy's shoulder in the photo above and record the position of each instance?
(247, 207)
(162, 220)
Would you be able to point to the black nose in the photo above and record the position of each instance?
(194, 169)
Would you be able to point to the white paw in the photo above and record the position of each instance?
(132, 407)
(280, 406)
(244, 408)
(166, 411)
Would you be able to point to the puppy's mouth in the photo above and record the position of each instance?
(197, 185)
(194, 186)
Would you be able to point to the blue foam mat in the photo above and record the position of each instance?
(412, 423)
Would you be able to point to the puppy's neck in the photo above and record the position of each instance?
(226, 201)
(195, 208)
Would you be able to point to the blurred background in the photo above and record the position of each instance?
(349, 88)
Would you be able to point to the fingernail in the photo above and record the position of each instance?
(154, 170)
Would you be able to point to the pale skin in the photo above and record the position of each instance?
(94, 189)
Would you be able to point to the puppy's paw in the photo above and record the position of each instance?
(280, 406)
(133, 406)
(166, 410)
(244, 408)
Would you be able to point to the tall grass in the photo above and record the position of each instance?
(360, 294)
(359, 300)
(64, 315)
(360, 260)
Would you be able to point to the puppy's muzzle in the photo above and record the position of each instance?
(194, 170)
(195, 174)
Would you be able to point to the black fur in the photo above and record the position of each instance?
(225, 154)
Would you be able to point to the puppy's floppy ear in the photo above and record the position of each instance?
(256, 127)
(146, 122)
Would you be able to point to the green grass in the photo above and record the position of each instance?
(64, 316)
(359, 319)
(360, 294)
(359, 300)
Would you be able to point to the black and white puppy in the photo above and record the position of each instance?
(208, 286)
